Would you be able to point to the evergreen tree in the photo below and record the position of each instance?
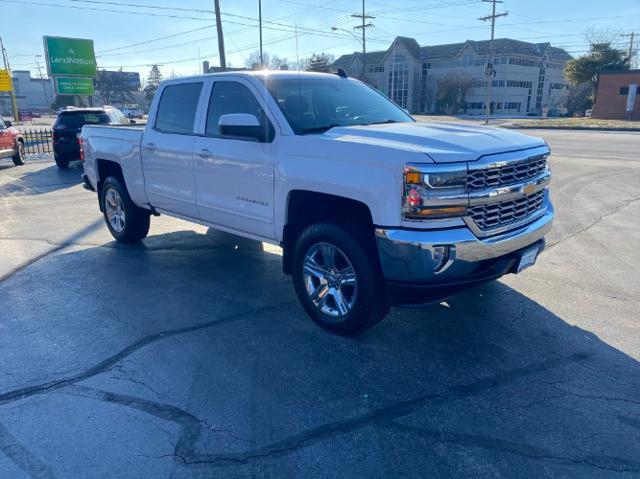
(153, 81)
(319, 62)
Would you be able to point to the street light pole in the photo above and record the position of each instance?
(12, 93)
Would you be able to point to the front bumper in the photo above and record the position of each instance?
(407, 256)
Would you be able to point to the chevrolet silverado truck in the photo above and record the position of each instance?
(371, 208)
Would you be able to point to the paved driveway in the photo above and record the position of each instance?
(189, 356)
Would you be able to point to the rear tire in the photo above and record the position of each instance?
(20, 155)
(61, 162)
(337, 278)
(127, 222)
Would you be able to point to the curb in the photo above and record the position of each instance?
(582, 128)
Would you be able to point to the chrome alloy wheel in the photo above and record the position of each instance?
(115, 210)
(330, 279)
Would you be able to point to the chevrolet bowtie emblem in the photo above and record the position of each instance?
(530, 188)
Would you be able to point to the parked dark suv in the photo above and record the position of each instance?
(66, 130)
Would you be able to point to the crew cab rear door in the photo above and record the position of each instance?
(167, 148)
(235, 175)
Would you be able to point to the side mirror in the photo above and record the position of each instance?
(242, 125)
(8, 123)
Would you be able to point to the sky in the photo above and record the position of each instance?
(134, 34)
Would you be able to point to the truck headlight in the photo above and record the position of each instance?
(434, 192)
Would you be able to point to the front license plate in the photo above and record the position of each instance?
(528, 258)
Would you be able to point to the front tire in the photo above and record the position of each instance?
(126, 222)
(337, 278)
(20, 155)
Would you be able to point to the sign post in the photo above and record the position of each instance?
(7, 70)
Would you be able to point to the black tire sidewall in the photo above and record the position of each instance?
(371, 304)
(134, 227)
(61, 162)
(19, 158)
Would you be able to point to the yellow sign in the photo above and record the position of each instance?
(5, 81)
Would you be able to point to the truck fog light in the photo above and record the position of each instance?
(440, 257)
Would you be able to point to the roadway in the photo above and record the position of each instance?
(189, 356)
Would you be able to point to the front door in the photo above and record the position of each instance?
(167, 149)
(235, 175)
(6, 140)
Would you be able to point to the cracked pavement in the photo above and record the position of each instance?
(189, 356)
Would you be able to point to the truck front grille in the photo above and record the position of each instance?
(506, 175)
(497, 215)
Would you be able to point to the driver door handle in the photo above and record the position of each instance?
(150, 146)
(204, 153)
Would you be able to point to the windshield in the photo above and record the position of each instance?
(315, 105)
(77, 120)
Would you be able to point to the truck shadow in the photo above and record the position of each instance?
(43, 180)
(489, 376)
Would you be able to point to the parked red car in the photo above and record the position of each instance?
(11, 143)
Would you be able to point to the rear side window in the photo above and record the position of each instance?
(177, 108)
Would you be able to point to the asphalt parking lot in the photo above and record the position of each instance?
(189, 356)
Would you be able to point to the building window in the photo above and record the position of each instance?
(624, 90)
(399, 81)
(376, 69)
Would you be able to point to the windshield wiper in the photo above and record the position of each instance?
(316, 129)
(381, 122)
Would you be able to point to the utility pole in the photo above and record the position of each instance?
(14, 104)
(490, 72)
(630, 36)
(260, 28)
(223, 61)
(364, 27)
(44, 88)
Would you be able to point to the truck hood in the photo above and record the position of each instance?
(443, 142)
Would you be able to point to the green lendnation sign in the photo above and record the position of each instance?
(74, 86)
(70, 56)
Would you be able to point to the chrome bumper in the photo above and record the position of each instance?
(407, 255)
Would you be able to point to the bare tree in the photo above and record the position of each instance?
(452, 91)
(272, 62)
(598, 36)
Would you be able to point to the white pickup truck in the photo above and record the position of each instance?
(370, 207)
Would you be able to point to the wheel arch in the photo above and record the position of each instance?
(106, 168)
(304, 208)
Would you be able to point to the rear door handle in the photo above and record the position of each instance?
(204, 153)
(150, 146)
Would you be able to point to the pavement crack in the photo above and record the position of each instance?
(395, 410)
(601, 461)
(594, 223)
(111, 361)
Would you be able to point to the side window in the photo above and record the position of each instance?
(230, 97)
(177, 108)
(2, 124)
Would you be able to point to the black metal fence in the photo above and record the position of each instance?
(38, 141)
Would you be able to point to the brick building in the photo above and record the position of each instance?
(529, 76)
(613, 94)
